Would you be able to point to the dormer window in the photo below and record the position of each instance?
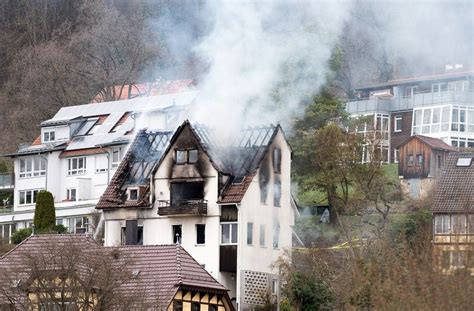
(187, 156)
(48, 136)
(132, 194)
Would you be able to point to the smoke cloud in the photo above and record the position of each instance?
(264, 58)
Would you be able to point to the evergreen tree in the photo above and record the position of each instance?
(45, 213)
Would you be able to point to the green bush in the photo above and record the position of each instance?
(45, 213)
(21, 234)
(309, 293)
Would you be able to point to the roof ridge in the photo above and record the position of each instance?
(178, 264)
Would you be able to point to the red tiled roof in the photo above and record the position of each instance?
(150, 89)
(454, 191)
(235, 192)
(37, 141)
(81, 152)
(160, 270)
(434, 143)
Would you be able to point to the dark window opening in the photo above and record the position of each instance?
(212, 308)
(439, 161)
(177, 305)
(277, 193)
(195, 306)
(249, 233)
(200, 234)
(411, 160)
(133, 195)
(177, 236)
(132, 234)
(277, 160)
(185, 191)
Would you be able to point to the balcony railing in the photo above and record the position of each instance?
(182, 207)
(448, 97)
(7, 181)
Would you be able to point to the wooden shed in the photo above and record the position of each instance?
(422, 157)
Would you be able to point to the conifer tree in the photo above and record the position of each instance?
(45, 213)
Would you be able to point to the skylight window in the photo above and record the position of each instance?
(464, 162)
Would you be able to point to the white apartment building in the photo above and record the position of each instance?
(439, 106)
(78, 152)
(229, 205)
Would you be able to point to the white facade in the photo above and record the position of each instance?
(253, 260)
(76, 155)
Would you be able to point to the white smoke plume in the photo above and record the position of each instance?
(264, 58)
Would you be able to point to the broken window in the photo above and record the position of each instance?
(200, 234)
(186, 191)
(189, 156)
(277, 160)
(192, 156)
(133, 194)
(249, 233)
(177, 234)
(180, 156)
(132, 234)
(195, 306)
(277, 193)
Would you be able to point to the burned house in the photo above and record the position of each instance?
(421, 162)
(453, 214)
(228, 204)
(72, 272)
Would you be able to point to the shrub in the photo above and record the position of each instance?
(21, 234)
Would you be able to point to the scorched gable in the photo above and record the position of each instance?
(228, 204)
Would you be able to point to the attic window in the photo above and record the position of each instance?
(132, 194)
(277, 160)
(464, 162)
(189, 156)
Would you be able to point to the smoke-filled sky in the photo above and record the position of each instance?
(263, 58)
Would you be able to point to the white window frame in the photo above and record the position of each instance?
(98, 168)
(49, 136)
(395, 127)
(276, 236)
(116, 161)
(69, 192)
(396, 155)
(262, 237)
(230, 224)
(71, 171)
(250, 233)
(444, 221)
(37, 167)
(85, 223)
(129, 192)
(32, 196)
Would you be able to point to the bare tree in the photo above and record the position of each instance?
(68, 276)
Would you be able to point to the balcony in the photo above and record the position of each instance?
(7, 181)
(421, 99)
(182, 207)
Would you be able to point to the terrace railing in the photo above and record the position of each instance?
(182, 207)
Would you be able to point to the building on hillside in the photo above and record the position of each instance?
(228, 205)
(453, 214)
(159, 87)
(163, 277)
(77, 153)
(421, 161)
(439, 106)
